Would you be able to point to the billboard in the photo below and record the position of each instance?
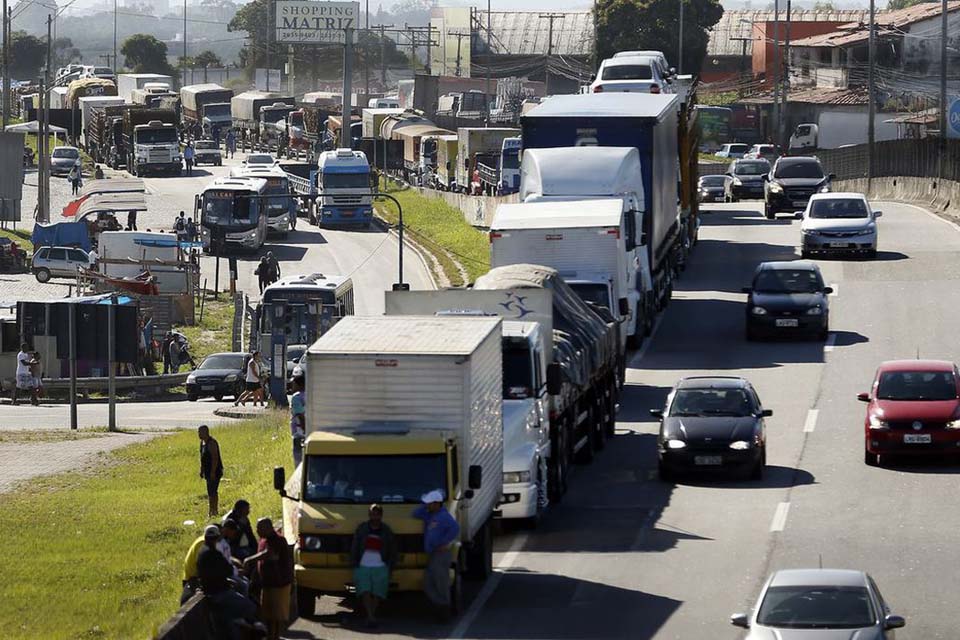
(313, 22)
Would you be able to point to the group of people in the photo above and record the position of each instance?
(29, 376)
(185, 228)
(267, 271)
(176, 352)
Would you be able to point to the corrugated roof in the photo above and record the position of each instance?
(842, 38)
(739, 24)
(889, 23)
(526, 33)
(816, 96)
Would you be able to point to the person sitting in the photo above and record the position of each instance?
(97, 172)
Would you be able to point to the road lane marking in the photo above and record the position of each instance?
(780, 517)
(506, 563)
(830, 343)
(836, 289)
(811, 422)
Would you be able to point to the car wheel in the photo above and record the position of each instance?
(43, 275)
(768, 213)
(192, 397)
(238, 391)
(218, 397)
(757, 471)
(825, 333)
(804, 254)
(664, 472)
(871, 459)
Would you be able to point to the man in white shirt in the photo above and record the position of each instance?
(24, 376)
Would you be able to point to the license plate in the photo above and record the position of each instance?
(347, 214)
(787, 322)
(800, 203)
(206, 387)
(708, 460)
(839, 244)
(917, 438)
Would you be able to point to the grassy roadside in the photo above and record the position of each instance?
(20, 236)
(215, 333)
(439, 228)
(100, 553)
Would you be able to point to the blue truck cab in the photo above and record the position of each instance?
(342, 184)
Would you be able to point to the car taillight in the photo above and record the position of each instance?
(654, 88)
(598, 88)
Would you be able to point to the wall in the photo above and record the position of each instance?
(763, 56)
(921, 44)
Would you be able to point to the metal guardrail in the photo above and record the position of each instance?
(121, 382)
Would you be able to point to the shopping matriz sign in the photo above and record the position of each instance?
(308, 22)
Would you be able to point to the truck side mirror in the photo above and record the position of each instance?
(554, 379)
(624, 306)
(279, 479)
(475, 477)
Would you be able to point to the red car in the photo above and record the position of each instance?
(913, 408)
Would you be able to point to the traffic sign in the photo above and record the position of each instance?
(953, 118)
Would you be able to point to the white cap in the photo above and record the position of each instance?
(433, 496)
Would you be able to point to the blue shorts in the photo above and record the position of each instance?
(375, 580)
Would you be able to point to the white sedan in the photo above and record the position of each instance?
(839, 223)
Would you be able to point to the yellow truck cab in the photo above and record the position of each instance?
(396, 407)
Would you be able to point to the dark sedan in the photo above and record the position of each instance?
(712, 423)
(219, 375)
(745, 179)
(787, 298)
(710, 188)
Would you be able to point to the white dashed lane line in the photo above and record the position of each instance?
(811, 422)
(780, 517)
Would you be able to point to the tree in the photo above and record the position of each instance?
(143, 53)
(624, 25)
(64, 52)
(27, 55)
(824, 5)
(207, 59)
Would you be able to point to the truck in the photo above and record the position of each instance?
(526, 422)
(150, 142)
(660, 127)
(151, 94)
(474, 141)
(87, 87)
(88, 109)
(445, 176)
(105, 132)
(342, 184)
(305, 125)
(373, 118)
(421, 414)
(255, 114)
(471, 105)
(598, 174)
(500, 172)
(127, 83)
(209, 104)
(58, 98)
(412, 137)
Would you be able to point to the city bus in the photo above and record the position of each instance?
(293, 313)
(280, 211)
(232, 209)
(714, 125)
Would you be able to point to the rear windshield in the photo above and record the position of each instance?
(816, 607)
(838, 208)
(712, 181)
(628, 72)
(751, 168)
(799, 170)
(259, 159)
(917, 385)
(66, 153)
(737, 148)
(206, 144)
(788, 281)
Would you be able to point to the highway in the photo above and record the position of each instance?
(628, 556)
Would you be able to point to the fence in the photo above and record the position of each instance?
(896, 158)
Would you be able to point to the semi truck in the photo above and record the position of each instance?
(127, 83)
(422, 413)
(305, 125)
(88, 109)
(150, 143)
(255, 114)
(105, 133)
(342, 183)
(151, 95)
(209, 104)
(373, 118)
(500, 172)
(477, 141)
(660, 128)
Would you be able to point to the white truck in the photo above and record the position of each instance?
(255, 115)
(397, 406)
(526, 420)
(477, 144)
(127, 83)
(612, 174)
(374, 117)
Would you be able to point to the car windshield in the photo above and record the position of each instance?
(363, 479)
(711, 181)
(259, 158)
(66, 153)
(628, 72)
(751, 168)
(816, 607)
(839, 208)
(788, 281)
(517, 371)
(711, 402)
(917, 385)
(223, 361)
(799, 170)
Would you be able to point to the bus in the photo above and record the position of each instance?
(231, 209)
(280, 211)
(714, 125)
(293, 313)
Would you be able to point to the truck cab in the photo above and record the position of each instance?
(273, 121)
(217, 114)
(156, 147)
(804, 138)
(343, 186)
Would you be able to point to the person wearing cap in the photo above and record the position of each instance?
(215, 573)
(211, 467)
(191, 572)
(440, 529)
(275, 566)
(373, 553)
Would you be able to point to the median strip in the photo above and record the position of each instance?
(780, 517)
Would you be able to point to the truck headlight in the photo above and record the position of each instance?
(516, 477)
(310, 543)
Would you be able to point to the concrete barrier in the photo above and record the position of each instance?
(939, 196)
(477, 210)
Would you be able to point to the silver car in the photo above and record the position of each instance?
(839, 223)
(63, 159)
(819, 604)
(59, 262)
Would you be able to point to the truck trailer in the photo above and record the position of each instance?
(255, 114)
(127, 83)
(207, 104)
(150, 142)
(478, 141)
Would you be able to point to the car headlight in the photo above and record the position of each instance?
(310, 543)
(516, 477)
(231, 378)
(740, 445)
(825, 189)
(191, 379)
(814, 311)
(737, 182)
(759, 311)
(877, 423)
(676, 444)
(775, 188)
(953, 424)
(810, 232)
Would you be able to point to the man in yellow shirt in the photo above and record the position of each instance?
(190, 576)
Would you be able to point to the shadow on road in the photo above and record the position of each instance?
(725, 266)
(848, 338)
(739, 218)
(774, 477)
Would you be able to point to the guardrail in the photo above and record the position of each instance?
(159, 382)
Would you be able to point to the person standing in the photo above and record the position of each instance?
(24, 380)
(263, 273)
(36, 372)
(373, 552)
(165, 352)
(274, 267)
(74, 177)
(211, 467)
(298, 422)
(188, 157)
(173, 350)
(275, 565)
(254, 389)
(191, 230)
(231, 142)
(132, 220)
(180, 226)
(439, 531)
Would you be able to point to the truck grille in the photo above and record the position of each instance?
(346, 200)
(155, 157)
(340, 543)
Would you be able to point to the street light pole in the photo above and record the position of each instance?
(115, 35)
(680, 42)
(183, 63)
(943, 83)
(871, 106)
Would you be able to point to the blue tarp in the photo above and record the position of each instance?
(61, 234)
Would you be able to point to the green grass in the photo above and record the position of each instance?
(98, 554)
(438, 226)
(20, 236)
(51, 435)
(215, 333)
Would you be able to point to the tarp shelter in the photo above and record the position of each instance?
(34, 127)
(101, 187)
(61, 234)
(108, 203)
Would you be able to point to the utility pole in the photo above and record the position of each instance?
(6, 66)
(680, 42)
(776, 70)
(291, 77)
(366, 56)
(459, 35)
(871, 105)
(943, 83)
(489, 59)
(347, 78)
(115, 32)
(383, 55)
(43, 181)
(183, 64)
(546, 72)
(781, 134)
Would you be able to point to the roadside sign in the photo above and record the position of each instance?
(313, 22)
(265, 83)
(953, 118)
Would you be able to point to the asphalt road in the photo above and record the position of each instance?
(628, 556)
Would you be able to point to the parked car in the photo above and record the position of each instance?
(219, 375)
(791, 182)
(745, 179)
(712, 423)
(819, 604)
(769, 152)
(839, 223)
(732, 150)
(260, 159)
(295, 352)
(207, 152)
(711, 188)
(63, 159)
(633, 73)
(787, 298)
(59, 262)
(912, 408)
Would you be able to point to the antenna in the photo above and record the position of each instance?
(918, 352)
(820, 555)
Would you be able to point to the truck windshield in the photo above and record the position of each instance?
(157, 136)
(364, 479)
(346, 180)
(216, 110)
(223, 209)
(275, 115)
(296, 119)
(597, 293)
(511, 160)
(277, 186)
(517, 371)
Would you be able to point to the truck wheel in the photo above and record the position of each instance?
(588, 450)
(306, 602)
(558, 466)
(480, 556)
